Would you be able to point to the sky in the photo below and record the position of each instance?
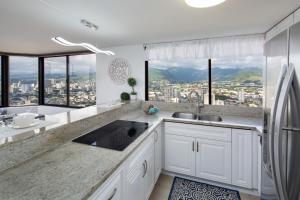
(229, 62)
(29, 65)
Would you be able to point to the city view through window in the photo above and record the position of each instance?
(55, 70)
(235, 81)
(23, 81)
(82, 80)
(23, 85)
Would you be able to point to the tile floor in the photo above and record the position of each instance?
(163, 187)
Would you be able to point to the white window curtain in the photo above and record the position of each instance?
(248, 45)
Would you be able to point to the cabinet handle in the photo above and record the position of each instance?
(155, 136)
(193, 147)
(145, 168)
(197, 146)
(113, 194)
(146, 163)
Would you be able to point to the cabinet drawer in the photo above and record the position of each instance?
(112, 189)
(205, 132)
(137, 154)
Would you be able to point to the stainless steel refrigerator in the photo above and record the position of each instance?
(280, 177)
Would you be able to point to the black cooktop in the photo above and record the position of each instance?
(116, 135)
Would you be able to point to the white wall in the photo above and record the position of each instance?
(107, 90)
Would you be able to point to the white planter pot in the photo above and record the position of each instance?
(133, 97)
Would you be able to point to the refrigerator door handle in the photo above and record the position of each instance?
(272, 123)
(280, 180)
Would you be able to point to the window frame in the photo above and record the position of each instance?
(41, 77)
(67, 82)
(7, 80)
(209, 81)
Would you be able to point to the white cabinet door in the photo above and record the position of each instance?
(213, 160)
(242, 158)
(148, 172)
(139, 172)
(158, 151)
(111, 191)
(180, 154)
(133, 182)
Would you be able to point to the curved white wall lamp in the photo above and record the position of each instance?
(62, 41)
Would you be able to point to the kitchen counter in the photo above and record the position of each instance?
(227, 121)
(74, 171)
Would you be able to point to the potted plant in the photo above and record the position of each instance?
(125, 96)
(132, 82)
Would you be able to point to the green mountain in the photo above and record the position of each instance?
(190, 75)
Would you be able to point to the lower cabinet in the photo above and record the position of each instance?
(219, 154)
(207, 159)
(213, 160)
(139, 172)
(242, 158)
(180, 154)
(223, 155)
(112, 189)
(149, 172)
(158, 152)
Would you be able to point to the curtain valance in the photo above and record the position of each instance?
(207, 48)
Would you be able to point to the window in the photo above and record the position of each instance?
(237, 81)
(55, 81)
(172, 81)
(234, 81)
(82, 80)
(23, 81)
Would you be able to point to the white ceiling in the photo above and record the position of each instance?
(28, 25)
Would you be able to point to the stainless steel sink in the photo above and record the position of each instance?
(214, 118)
(185, 115)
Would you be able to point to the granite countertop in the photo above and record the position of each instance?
(227, 121)
(51, 122)
(74, 171)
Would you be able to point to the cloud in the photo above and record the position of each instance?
(23, 65)
(229, 62)
(188, 63)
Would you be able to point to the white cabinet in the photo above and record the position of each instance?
(148, 172)
(242, 158)
(139, 172)
(213, 160)
(158, 151)
(286, 23)
(283, 25)
(198, 131)
(133, 181)
(219, 154)
(111, 190)
(297, 16)
(180, 154)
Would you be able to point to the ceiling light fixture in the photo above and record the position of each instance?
(203, 3)
(88, 24)
(62, 41)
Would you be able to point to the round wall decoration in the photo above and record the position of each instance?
(119, 70)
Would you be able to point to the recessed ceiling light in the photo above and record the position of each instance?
(88, 24)
(203, 3)
(62, 41)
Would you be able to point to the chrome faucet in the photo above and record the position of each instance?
(198, 100)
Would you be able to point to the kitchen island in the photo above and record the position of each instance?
(76, 171)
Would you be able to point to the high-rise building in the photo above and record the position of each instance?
(241, 96)
(168, 93)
